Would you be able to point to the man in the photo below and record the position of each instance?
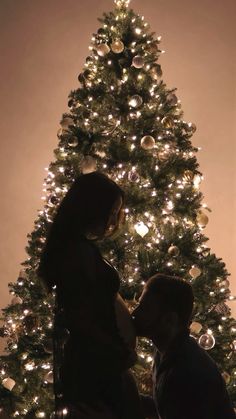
(186, 381)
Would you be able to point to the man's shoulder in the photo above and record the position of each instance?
(194, 361)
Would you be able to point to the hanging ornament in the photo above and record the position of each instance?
(16, 300)
(195, 272)
(141, 229)
(117, 46)
(224, 284)
(202, 219)
(226, 377)
(167, 122)
(133, 175)
(100, 153)
(147, 142)
(135, 101)
(207, 341)
(153, 47)
(73, 141)
(188, 176)
(138, 61)
(156, 71)
(197, 180)
(233, 345)
(172, 99)
(49, 377)
(222, 309)
(66, 122)
(88, 165)
(173, 251)
(103, 49)
(195, 327)
(110, 127)
(8, 383)
(52, 201)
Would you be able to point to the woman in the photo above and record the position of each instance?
(97, 354)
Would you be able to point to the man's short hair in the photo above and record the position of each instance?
(174, 294)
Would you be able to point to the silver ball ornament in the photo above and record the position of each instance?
(207, 341)
(202, 219)
(102, 50)
(73, 141)
(195, 272)
(147, 142)
(138, 61)
(135, 101)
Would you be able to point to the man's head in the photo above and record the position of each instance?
(165, 308)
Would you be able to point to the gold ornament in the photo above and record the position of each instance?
(207, 341)
(49, 377)
(172, 99)
(117, 46)
(73, 141)
(8, 383)
(168, 122)
(147, 142)
(135, 101)
(138, 61)
(202, 219)
(188, 176)
(226, 377)
(103, 49)
(88, 165)
(16, 300)
(195, 327)
(224, 284)
(66, 122)
(195, 272)
(141, 229)
(173, 251)
(156, 71)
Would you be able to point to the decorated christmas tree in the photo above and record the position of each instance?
(124, 121)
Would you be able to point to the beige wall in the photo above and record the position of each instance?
(43, 46)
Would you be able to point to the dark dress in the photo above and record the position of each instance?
(92, 366)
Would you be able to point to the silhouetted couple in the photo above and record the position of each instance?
(95, 359)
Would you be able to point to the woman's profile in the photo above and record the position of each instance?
(101, 344)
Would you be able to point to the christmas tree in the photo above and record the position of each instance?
(125, 122)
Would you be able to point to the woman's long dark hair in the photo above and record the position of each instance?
(86, 205)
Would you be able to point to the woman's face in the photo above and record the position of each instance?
(116, 217)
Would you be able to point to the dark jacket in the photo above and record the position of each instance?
(188, 385)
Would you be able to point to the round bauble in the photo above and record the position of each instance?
(195, 272)
(202, 219)
(133, 176)
(138, 61)
(88, 165)
(8, 383)
(103, 49)
(172, 99)
(16, 300)
(147, 142)
(49, 377)
(226, 377)
(224, 284)
(173, 251)
(156, 71)
(141, 229)
(73, 141)
(195, 327)
(48, 346)
(188, 176)
(207, 341)
(66, 122)
(117, 46)
(135, 101)
(167, 122)
(233, 345)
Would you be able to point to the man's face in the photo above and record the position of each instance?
(148, 316)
